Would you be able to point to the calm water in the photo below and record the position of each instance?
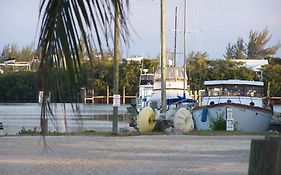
(96, 117)
(277, 108)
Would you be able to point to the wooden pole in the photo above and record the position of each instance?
(93, 96)
(116, 64)
(124, 95)
(265, 157)
(163, 56)
(83, 94)
(268, 94)
(107, 95)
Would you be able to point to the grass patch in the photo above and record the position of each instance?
(30, 132)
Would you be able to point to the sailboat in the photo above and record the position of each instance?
(174, 109)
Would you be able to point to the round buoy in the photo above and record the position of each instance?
(183, 120)
(146, 120)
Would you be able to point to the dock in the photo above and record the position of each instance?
(106, 99)
(88, 96)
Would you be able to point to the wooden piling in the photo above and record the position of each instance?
(83, 94)
(124, 95)
(265, 156)
(107, 95)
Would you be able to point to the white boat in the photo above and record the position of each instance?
(145, 88)
(239, 102)
(175, 88)
(10, 61)
(176, 113)
(177, 98)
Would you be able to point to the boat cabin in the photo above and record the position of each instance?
(233, 88)
(235, 91)
(146, 79)
(172, 73)
(145, 89)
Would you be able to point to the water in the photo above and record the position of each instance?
(277, 108)
(96, 117)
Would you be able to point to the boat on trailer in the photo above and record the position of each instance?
(239, 102)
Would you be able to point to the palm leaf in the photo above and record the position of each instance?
(64, 23)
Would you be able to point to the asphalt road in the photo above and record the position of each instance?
(139, 155)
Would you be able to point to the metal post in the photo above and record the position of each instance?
(163, 56)
(184, 50)
(175, 44)
(116, 64)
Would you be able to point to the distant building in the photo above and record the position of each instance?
(254, 65)
(136, 59)
(13, 65)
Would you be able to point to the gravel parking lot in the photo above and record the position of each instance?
(139, 155)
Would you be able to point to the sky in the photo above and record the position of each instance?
(212, 24)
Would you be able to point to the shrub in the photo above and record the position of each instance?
(218, 123)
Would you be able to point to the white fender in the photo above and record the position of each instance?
(183, 120)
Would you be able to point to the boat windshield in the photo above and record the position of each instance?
(171, 73)
(146, 79)
(233, 90)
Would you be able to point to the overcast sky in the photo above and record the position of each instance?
(219, 22)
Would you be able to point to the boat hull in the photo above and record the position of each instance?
(246, 118)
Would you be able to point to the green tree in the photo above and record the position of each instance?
(236, 51)
(256, 48)
(229, 52)
(11, 51)
(239, 49)
(227, 69)
(18, 87)
(99, 75)
(150, 64)
(27, 53)
(274, 60)
(198, 68)
(271, 74)
(129, 78)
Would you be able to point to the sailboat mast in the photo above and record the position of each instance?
(163, 56)
(175, 46)
(184, 49)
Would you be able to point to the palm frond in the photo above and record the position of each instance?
(64, 23)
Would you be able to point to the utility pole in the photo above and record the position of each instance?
(116, 58)
(163, 56)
